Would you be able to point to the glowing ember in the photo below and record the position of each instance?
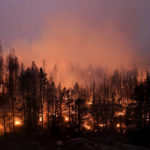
(101, 125)
(120, 113)
(66, 119)
(18, 122)
(40, 119)
(87, 127)
(118, 125)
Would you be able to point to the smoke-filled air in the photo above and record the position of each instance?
(110, 34)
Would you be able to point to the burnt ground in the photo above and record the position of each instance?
(28, 142)
(64, 142)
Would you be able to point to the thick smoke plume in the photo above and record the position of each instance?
(75, 34)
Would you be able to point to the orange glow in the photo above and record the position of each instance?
(87, 127)
(66, 119)
(1, 127)
(120, 113)
(89, 103)
(70, 39)
(18, 122)
(40, 119)
(118, 125)
(101, 125)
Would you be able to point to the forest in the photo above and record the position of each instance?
(31, 101)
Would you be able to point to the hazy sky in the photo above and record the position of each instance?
(102, 32)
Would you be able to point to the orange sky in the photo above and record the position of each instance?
(100, 32)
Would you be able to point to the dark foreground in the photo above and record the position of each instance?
(63, 142)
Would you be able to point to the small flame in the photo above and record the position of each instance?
(18, 122)
(66, 119)
(118, 125)
(89, 102)
(40, 119)
(87, 127)
(101, 125)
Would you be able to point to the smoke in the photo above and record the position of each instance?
(79, 33)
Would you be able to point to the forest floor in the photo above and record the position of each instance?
(65, 142)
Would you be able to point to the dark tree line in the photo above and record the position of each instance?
(29, 96)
